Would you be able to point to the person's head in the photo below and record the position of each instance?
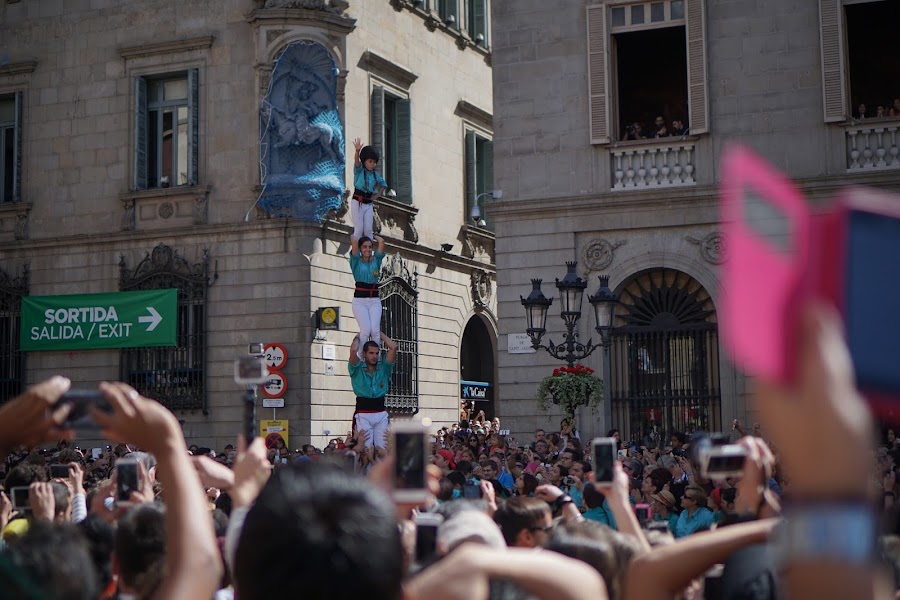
(897, 104)
(368, 156)
(370, 352)
(366, 247)
(677, 124)
(525, 522)
(693, 498)
(891, 438)
(140, 549)
(50, 561)
(556, 474)
(608, 551)
(100, 538)
(465, 467)
(488, 469)
(566, 458)
(332, 520)
(678, 440)
(659, 122)
(541, 447)
(444, 460)
(656, 481)
(614, 433)
(861, 109)
(663, 503)
(525, 484)
(539, 434)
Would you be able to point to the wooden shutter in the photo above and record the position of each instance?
(598, 74)
(698, 96)
(487, 159)
(831, 22)
(378, 125)
(17, 149)
(193, 81)
(403, 186)
(140, 133)
(450, 8)
(470, 157)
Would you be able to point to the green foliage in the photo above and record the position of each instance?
(570, 387)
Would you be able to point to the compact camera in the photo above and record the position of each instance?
(715, 457)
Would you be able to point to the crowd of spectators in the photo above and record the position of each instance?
(509, 519)
(881, 111)
(658, 129)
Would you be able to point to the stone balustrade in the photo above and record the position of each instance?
(668, 162)
(872, 146)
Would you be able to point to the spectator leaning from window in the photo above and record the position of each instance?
(861, 112)
(633, 132)
(659, 128)
(679, 128)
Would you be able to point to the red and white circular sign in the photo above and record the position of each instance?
(275, 356)
(275, 385)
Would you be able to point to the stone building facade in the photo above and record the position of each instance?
(786, 78)
(96, 200)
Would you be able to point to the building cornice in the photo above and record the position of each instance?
(18, 68)
(387, 69)
(476, 115)
(172, 47)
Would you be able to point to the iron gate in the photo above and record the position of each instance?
(665, 380)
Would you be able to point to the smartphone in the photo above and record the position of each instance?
(409, 443)
(79, 417)
(19, 498)
(96, 453)
(604, 457)
(126, 480)
(471, 491)
(59, 471)
(642, 512)
(426, 536)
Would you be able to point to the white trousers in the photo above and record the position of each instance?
(376, 427)
(363, 217)
(367, 312)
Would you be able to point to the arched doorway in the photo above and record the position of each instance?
(664, 358)
(476, 367)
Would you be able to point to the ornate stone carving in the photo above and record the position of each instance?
(166, 210)
(128, 219)
(201, 208)
(462, 43)
(265, 76)
(482, 288)
(394, 266)
(432, 23)
(336, 7)
(273, 34)
(21, 228)
(713, 247)
(342, 84)
(599, 254)
(477, 242)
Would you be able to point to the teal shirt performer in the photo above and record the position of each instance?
(366, 180)
(366, 272)
(368, 384)
(371, 378)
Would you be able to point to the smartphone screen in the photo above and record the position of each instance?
(126, 479)
(604, 458)
(426, 541)
(409, 468)
(19, 497)
(871, 318)
(59, 471)
(471, 490)
(80, 417)
(642, 512)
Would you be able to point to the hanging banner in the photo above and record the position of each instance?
(98, 321)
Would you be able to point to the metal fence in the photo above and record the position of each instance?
(664, 380)
(12, 359)
(400, 322)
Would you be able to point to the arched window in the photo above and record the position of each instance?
(664, 357)
(174, 376)
(400, 322)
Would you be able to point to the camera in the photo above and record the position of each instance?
(569, 481)
(249, 370)
(715, 457)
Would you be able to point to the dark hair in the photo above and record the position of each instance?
(520, 513)
(592, 498)
(99, 536)
(728, 495)
(55, 560)
(23, 475)
(585, 466)
(659, 477)
(577, 455)
(465, 467)
(456, 478)
(530, 483)
(60, 497)
(612, 432)
(368, 152)
(363, 240)
(141, 548)
(445, 492)
(330, 518)
(680, 436)
(368, 345)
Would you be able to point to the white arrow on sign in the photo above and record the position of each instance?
(154, 319)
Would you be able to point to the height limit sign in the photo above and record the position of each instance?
(275, 356)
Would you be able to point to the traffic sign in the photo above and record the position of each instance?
(275, 385)
(275, 355)
(96, 321)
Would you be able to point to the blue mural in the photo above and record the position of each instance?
(302, 141)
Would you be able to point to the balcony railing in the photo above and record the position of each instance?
(872, 146)
(655, 163)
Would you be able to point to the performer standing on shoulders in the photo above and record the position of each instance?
(368, 184)
(366, 267)
(371, 379)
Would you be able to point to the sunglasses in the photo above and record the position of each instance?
(546, 529)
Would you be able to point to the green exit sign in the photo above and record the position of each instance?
(97, 321)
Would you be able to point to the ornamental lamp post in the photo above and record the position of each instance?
(604, 303)
(536, 305)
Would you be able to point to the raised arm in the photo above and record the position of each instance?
(391, 346)
(354, 245)
(380, 241)
(354, 348)
(357, 146)
(670, 568)
(617, 496)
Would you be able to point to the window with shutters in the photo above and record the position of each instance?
(10, 147)
(166, 130)
(636, 91)
(477, 12)
(448, 11)
(392, 137)
(479, 154)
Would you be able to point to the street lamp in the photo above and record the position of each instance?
(476, 212)
(571, 291)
